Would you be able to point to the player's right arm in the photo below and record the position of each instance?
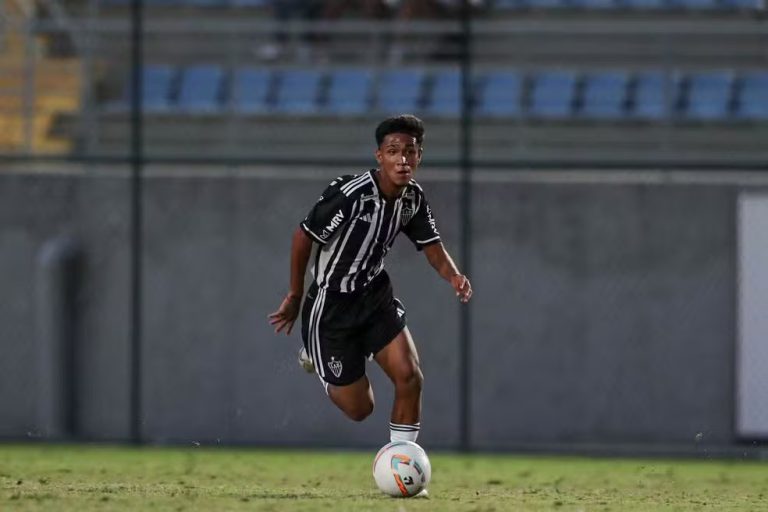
(322, 223)
(286, 314)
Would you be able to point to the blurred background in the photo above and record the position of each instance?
(599, 168)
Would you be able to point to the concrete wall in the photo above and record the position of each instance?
(603, 313)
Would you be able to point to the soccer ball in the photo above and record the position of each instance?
(401, 468)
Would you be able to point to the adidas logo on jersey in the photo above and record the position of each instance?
(366, 218)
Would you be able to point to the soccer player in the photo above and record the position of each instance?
(350, 313)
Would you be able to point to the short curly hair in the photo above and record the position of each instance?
(405, 123)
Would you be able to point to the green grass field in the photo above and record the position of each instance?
(81, 478)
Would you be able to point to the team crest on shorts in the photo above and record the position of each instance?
(335, 367)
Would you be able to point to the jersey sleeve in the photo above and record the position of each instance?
(328, 215)
(421, 229)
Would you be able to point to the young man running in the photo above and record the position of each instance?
(350, 313)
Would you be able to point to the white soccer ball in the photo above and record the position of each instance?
(402, 469)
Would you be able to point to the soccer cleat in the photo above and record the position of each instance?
(305, 361)
(422, 494)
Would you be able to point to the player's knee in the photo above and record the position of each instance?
(410, 379)
(360, 411)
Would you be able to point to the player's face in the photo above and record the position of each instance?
(399, 155)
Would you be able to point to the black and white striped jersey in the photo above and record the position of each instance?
(356, 225)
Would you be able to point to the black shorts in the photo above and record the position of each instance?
(341, 330)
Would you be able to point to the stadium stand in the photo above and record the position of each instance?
(201, 89)
(695, 4)
(644, 4)
(250, 3)
(709, 96)
(604, 95)
(745, 5)
(251, 89)
(158, 83)
(652, 96)
(594, 4)
(34, 95)
(445, 95)
(206, 3)
(298, 91)
(752, 98)
(661, 5)
(552, 94)
(544, 4)
(349, 91)
(582, 78)
(400, 90)
(500, 6)
(194, 3)
(500, 94)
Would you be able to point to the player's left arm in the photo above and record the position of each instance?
(442, 262)
(422, 230)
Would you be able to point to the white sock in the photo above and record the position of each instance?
(402, 432)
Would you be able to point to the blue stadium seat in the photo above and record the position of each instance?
(297, 92)
(552, 94)
(400, 90)
(605, 95)
(594, 4)
(161, 3)
(158, 82)
(546, 4)
(157, 89)
(644, 4)
(200, 89)
(709, 95)
(445, 96)
(695, 4)
(509, 4)
(251, 3)
(251, 88)
(654, 95)
(166, 3)
(197, 3)
(207, 3)
(500, 94)
(752, 100)
(349, 91)
(742, 4)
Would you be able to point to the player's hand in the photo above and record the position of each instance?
(462, 286)
(286, 314)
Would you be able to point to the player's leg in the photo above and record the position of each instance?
(329, 343)
(355, 400)
(400, 362)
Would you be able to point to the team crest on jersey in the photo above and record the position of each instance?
(407, 211)
(406, 214)
(335, 367)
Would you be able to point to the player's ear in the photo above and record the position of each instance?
(378, 156)
(421, 152)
